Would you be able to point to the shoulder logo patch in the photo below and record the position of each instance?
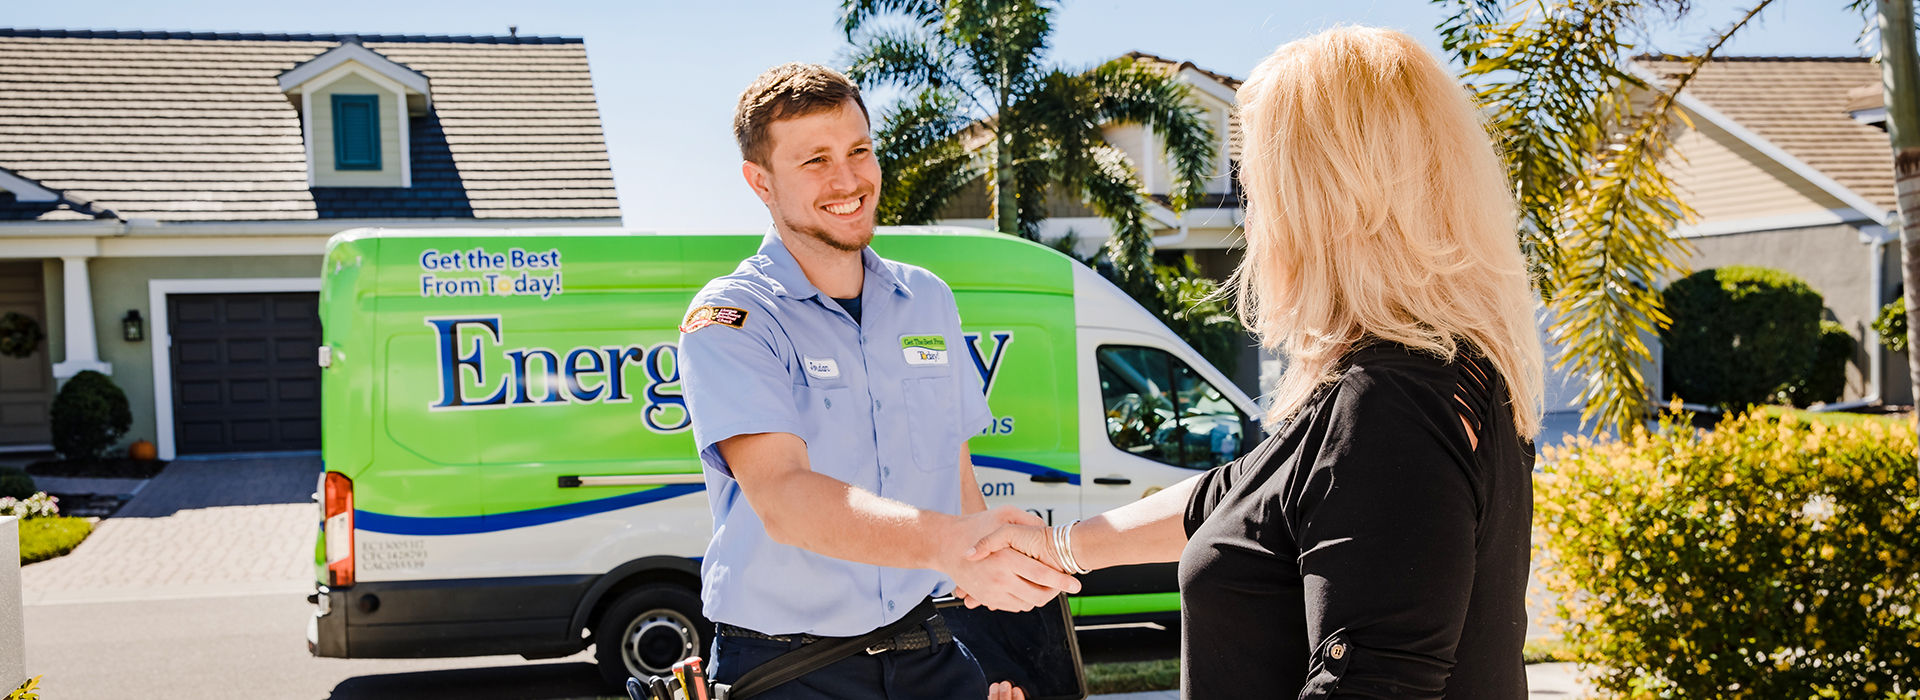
(703, 316)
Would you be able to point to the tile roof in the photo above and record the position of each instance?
(192, 126)
(1799, 104)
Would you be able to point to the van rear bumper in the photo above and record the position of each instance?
(530, 616)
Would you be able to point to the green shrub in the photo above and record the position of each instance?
(1891, 324)
(46, 538)
(1740, 335)
(89, 415)
(1826, 379)
(1768, 558)
(15, 483)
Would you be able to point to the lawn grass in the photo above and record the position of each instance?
(1835, 418)
(45, 538)
(1133, 677)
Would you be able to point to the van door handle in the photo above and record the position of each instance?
(1112, 480)
(1055, 478)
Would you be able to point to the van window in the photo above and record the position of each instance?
(1160, 408)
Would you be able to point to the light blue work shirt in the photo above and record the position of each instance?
(879, 403)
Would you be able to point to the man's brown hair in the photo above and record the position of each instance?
(785, 92)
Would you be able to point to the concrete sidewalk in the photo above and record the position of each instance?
(1544, 681)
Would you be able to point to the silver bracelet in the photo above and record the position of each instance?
(1063, 548)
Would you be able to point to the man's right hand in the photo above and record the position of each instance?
(1004, 579)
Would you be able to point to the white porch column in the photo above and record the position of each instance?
(83, 351)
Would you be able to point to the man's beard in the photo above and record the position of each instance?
(821, 235)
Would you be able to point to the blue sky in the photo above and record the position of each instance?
(667, 74)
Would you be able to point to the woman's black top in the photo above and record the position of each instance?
(1367, 549)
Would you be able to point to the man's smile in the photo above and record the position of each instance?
(845, 207)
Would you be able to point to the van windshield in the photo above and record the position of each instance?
(1159, 408)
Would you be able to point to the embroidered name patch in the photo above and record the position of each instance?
(703, 316)
(924, 349)
(822, 368)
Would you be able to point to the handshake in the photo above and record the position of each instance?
(1007, 559)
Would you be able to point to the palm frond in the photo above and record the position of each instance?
(855, 14)
(1124, 90)
(923, 160)
(1112, 188)
(900, 57)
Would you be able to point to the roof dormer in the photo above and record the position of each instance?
(355, 111)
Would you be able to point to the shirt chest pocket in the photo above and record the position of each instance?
(825, 413)
(932, 423)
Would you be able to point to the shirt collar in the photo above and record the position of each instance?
(792, 281)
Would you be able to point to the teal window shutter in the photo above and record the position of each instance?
(356, 132)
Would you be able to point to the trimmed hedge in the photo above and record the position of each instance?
(15, 484)
(89, 415)
(1740, 335)
(1826, 379)
(1768, 558)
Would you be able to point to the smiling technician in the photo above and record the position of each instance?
(833, 418)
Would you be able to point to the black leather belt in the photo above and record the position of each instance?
(911, 640)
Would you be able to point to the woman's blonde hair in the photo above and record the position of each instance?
(1377, 207)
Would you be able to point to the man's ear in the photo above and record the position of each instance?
(759, 179)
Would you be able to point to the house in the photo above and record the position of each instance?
(1785, 160)
(166, 197)
(1787, 163)
(1209, 230)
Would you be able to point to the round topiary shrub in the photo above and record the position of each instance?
(89, 415)
(15, 484)
(1740, 335)
(1767, 558)
(1826, 379)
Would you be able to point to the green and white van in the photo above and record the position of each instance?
(508, 465)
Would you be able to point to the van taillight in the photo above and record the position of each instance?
(338, 510)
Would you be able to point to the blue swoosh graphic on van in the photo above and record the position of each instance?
(476, 524)
(1023, 467)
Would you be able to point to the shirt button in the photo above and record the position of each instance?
(1337, 651)
(886, 471)
(889, 605)
(876, 404)
(829, 403)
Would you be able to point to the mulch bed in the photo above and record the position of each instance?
(105, 468)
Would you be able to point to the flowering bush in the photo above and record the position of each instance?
(39, 505)
(1767, 558)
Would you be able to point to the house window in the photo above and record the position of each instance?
(356, 132)
(1159, 408)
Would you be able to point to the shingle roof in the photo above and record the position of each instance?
(1799, 104)
(193, 126)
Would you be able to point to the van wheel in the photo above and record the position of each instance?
(647, 631)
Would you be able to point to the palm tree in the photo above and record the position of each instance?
(1587, 143)
(982, 104)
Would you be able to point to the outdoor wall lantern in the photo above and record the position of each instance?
(132, 328)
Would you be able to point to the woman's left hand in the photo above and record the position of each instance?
(1005, 690)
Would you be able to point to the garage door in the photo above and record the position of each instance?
(244, 372)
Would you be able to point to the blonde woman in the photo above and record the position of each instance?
(1376, 544)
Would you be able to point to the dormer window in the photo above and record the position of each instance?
(355, 111)
(356, 132)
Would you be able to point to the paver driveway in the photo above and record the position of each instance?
(204, 527)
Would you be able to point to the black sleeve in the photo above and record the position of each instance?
(1385, 523)
(1216, 482)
